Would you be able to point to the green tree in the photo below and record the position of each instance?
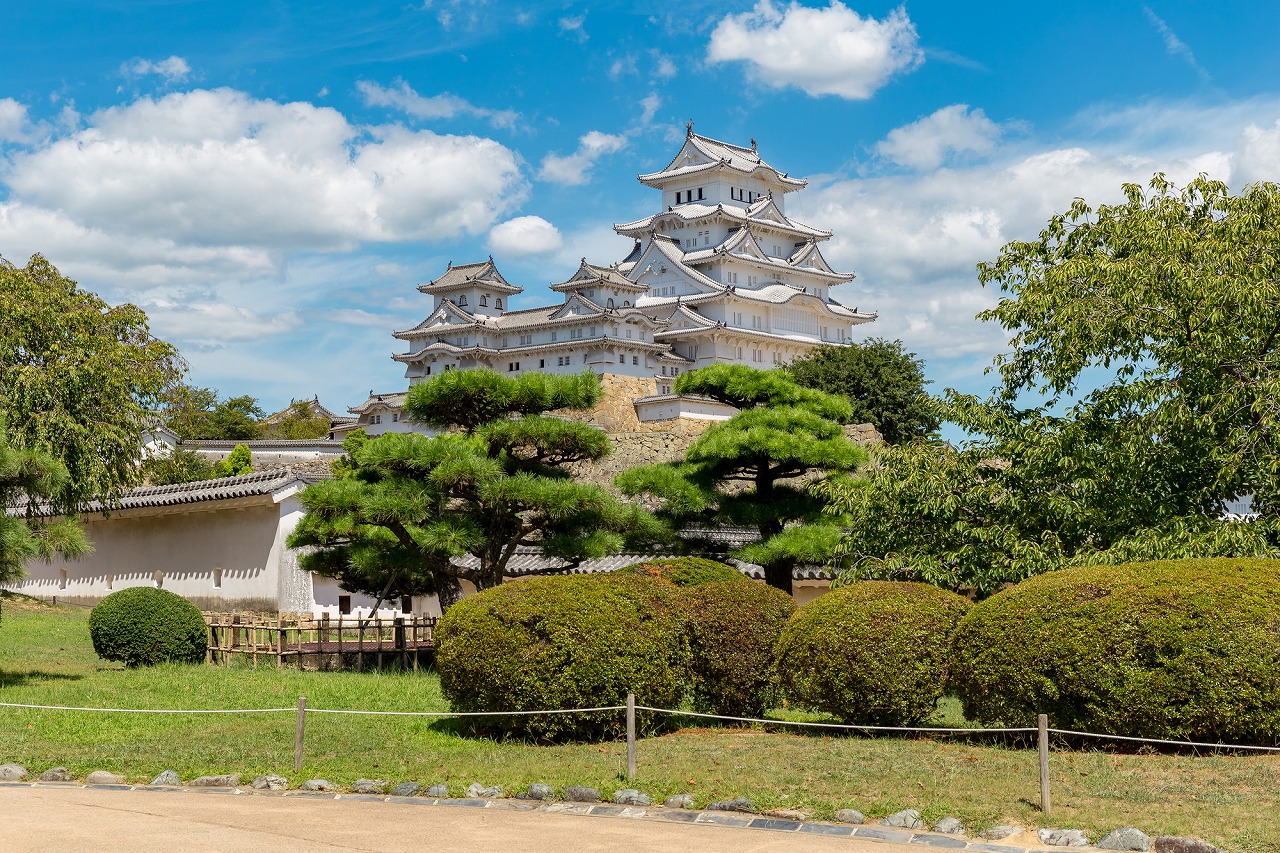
(79, 379)
(884, 383)
(197, 413)
(419, 514)
(238, 462)
(345, 464)
(176, 466)
(28, 480)
(751, 470)
(1148, 334)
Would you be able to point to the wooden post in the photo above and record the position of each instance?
(359, 646)
(208, 642)
(1043, 723)
(631, 737)
(281, 635)
(297, 733)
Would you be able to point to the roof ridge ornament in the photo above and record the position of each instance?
(688, 128)
(753, 145)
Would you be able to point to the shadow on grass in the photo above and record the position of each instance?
(18, 679)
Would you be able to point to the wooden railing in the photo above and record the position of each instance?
(347, 642)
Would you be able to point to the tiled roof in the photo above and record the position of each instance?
(393, 400)
(721, 154)
(694, 212)
(263, 482)
(529, 560)
(258, 443)
(470, 275)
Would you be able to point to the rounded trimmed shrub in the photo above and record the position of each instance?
(733, 629)
(871, 653)
(573, 641)
(1173, 649)
(142, 626)
(686, 571)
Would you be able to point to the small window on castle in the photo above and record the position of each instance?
(679, 197)
(217, 578)
(395, 417)
(428, 370)
(542, 362)
(462, 300)
(406, 604)
(609, 303)
(626, 303)
(635, 359)
(622, 359)
(497, 303)
(699, 193)
(484, 300)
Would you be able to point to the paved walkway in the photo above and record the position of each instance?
(37, 817)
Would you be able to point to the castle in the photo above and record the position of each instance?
(719, 274)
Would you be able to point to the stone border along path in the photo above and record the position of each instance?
(893, 835)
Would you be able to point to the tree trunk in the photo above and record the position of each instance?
(779, 576)
(448, 591)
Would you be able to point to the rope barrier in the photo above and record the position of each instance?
(151, 710)
(1166, 742)
(465, 713)
(602, 708)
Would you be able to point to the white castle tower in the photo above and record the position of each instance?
(720, 274)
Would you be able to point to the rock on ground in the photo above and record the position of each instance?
(907, 819)
(850, 816)
(679, 801)
(476, 791)
(269, 782)
(316, 785)
(103, 777)
(997, 833)
(737, 804)
(223, 780)
(1183, 844)
(949, 825)
(1063, 837)
(1126, 838)
(56, 774)
(167, 778)
(536, 791)
(369, 786)
(438, 791)
(12, 772)
(631, 797)
(406, 789)
(581, 794)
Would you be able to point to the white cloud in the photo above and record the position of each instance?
(211, 325)
(525, 235)
(649, 106)
(173, 69)
(573, 25)
(401, 96)
(927, 143)
(663, 67)
(360, 317)
(1175, 46)
(1257, 156)
(575, 169)
(831, 51)
(15, 123)
(220, 171)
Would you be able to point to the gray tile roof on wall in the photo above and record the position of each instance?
(262, 482)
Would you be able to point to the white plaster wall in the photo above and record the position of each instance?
(185, 547)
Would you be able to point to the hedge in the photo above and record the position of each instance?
(686, 571)
(142, 626)
(564, 642)
(1173, 649)
(733, 630)
(871, 653)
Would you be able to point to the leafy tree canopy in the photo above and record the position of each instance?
(884, 383)
(238, 462)
(299, 421)
(79, 379)
(197, 413)
(751, 469)
(176, 466)
(418, 514)
(1168, 307)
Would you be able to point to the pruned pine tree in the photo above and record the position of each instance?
(755, 469)
(28, 480)
(419, 514)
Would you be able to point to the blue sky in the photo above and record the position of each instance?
(270, 180)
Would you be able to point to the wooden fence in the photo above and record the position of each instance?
(325, 644)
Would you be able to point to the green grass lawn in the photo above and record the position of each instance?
(46, 659)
